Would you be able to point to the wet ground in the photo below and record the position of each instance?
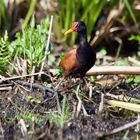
(32, 113)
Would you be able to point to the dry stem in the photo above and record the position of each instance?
(111, 70)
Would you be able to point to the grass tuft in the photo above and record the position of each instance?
(60, 119)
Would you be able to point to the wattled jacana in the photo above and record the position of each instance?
(80, 60)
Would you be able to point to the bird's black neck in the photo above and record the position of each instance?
(85, 54)
(83, 39)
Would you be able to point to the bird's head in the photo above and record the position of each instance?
(77, 26)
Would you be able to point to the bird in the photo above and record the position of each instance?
(78, 61)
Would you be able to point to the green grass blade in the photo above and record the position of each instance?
(128, 6)
(29, 14)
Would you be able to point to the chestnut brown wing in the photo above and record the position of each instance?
(69, 63)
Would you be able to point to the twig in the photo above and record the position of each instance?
(14, 67)
(56, 94)
(23, 129)
(32, 77)
(101, 105)
(125, 105)
(6, 85)
(47, 45)
(129, 30)
(2, 79)
(58, 103)
(123, 98)
(108, 70)
(59, 83)
(90, 92)
(5, 88)
(79, 101)
(138, 128)
(134, 61)
(1, 131)
(113, 15)
(126, 126)
(80, 105)
(36, 86)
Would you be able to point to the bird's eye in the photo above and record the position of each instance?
(77, 25)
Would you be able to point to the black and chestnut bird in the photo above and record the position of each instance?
(80, 60)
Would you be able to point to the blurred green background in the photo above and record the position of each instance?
(27, 24)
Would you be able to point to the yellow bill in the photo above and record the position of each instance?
(69, 31)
